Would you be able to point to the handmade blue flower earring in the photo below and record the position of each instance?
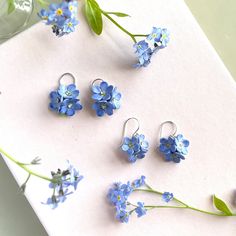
(175, 147)
(65, 100)
(135, 146)
(106, 98)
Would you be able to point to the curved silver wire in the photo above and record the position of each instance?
(94, 81)
(124, 128)
(174, 126)
(65, 74)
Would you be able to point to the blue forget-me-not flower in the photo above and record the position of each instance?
(118, 196)
(158, 39)
(166, 196)
(174, 148)
(61, 16)
(135, 147)
(63, 184)
(106, 99)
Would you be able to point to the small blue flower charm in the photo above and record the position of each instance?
(106, 98)
(135, 147)
(175, 147)
(65, 100)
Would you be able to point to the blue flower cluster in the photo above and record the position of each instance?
(63, 184)
(174, 148)
(64, 101)
(158, 39)
(135, 147)
(118, 196)
(106, 99)
(61, 16)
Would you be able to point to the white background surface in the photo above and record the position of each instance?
(186, 83)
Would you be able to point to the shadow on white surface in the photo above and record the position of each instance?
(16, 215)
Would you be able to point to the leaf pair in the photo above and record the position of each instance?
(93, 14)
(221, 206)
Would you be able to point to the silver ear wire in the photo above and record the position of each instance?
(125, 125)
(66, 74)
(94, 81)
(174, 127)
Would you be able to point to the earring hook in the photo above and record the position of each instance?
(66, 74)
(125, 125)
(174, 127)
(94, 81)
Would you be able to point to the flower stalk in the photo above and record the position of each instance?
(183, 205)
(24, 166)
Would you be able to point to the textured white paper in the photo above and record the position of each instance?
(186, 83)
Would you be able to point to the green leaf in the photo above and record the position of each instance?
(11, 6)
(119, 14)
(221, 206)
(94, 16)
(43, 3)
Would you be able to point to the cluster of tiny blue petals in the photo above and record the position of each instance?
(63, 184)
(158, 39)
(118, 196)
(65, 100)
(106, 99)
(135, 147)
(166, 196)
(174, 148)
(62, 17)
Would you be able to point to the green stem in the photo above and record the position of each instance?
(23, 166)
(159, 193)
(185, 206)
(118, 25)
(140, 35)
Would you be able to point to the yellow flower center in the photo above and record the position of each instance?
(70, 24)
(59, 12)
(118, 197)
(71, 8)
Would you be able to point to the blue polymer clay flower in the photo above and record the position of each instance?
(130, 145)
(106, 98)
(181, 144)
(167, 145)
(103, 108)
(174, 156)
(102, 91)
(68, 91)
(55, 101)
(69, 106)
(174, 148)
(136, 147)
(115, 98)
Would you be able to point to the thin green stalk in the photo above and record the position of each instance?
(23, 166)
(140, 35)
(185, 206)
(118, 25)
(159, 193)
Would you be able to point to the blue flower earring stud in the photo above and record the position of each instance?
(135, 146)
(64, 100)
(175, 147)
(106, 98)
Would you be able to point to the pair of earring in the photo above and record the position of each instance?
(173, 148)
(65, 100)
